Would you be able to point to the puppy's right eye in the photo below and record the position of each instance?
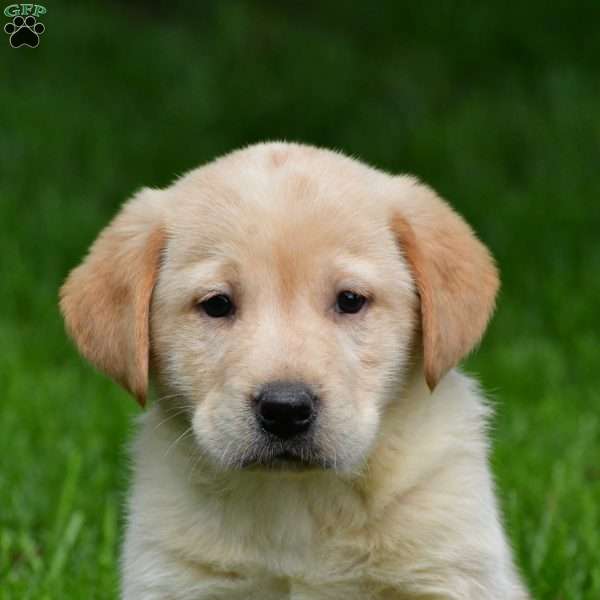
(218, 306)
(349, 302)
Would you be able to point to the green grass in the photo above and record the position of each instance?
(496, 105)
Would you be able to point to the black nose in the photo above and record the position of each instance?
(285, 409)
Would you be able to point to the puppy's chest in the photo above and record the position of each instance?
(338, 567)
(301, 552)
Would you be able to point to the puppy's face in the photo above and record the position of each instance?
(282, 323)
(279, 292)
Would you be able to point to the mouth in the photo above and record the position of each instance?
(285, 460)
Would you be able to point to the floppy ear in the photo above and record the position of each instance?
(454, 272)
(106, 300)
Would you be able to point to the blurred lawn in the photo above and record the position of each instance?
(494, 104)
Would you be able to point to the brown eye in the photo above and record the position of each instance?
(218, 306)
(349, 302)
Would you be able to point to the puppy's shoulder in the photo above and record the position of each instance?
(425, 434)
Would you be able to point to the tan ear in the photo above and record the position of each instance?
(454, 272)
(106, 300)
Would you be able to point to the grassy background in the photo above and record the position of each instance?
(494, 104)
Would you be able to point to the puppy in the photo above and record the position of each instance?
(301, 315)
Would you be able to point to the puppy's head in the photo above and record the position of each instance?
(279, 294)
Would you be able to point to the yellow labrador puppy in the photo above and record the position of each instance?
(301, 315)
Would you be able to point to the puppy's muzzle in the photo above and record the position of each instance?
(286, 409)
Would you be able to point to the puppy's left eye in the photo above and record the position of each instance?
(349, 302)
(218, 306)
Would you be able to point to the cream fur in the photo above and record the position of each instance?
(404, 506)
(421, 522)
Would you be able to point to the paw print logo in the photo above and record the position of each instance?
(24, 31)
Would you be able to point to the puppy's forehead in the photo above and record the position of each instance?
(277, 202)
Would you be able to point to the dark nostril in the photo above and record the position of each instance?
(285, 409)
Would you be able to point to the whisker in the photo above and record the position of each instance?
(173, 444)
(224, 458)
(170, 397)
(194, 466)
(174, 414)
